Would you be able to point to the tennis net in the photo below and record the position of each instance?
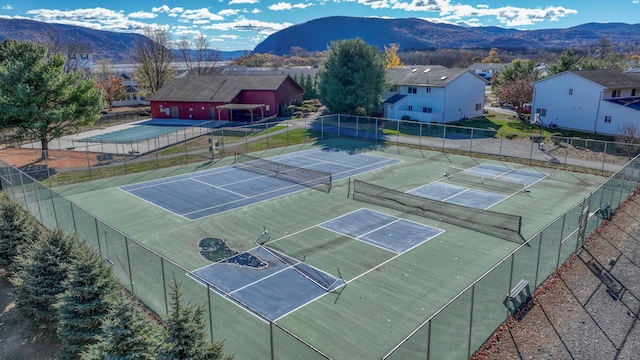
(504, 226)
(324, 280)
(310, 178)
(470, 176)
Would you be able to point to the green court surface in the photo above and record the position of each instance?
(387, 295)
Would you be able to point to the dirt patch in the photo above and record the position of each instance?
(18, 338)
(58, 159)
(589, 308)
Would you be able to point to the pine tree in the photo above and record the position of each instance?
(185, 336)
(43, 268)
(352, 77)
(17, 227)
(90, 291)
(128, 333)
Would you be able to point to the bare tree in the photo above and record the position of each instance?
(198, 56)
(628, 139)
(103, 69)
(154, 60)
(76, 55)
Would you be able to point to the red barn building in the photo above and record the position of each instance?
(222, 97)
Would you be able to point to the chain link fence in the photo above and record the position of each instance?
(475, 312)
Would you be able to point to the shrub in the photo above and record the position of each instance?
(405, 117)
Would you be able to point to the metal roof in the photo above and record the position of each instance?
(424, 76)
(215, 88)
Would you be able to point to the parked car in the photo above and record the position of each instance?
(526, 109)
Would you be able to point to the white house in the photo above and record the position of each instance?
(434, 94)
(487, 70)
(597, 101)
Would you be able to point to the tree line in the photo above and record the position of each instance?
(65, 287)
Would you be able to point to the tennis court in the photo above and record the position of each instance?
(481, 187)
(274, 284)
(350, 278)
(146, 130)
(205, 193)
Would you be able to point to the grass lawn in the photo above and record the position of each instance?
(507, 125)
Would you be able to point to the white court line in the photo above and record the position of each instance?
(219, 188)
(156, 205)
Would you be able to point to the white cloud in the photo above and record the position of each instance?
(302, 5)
(457, 13)
(141, 15)
(94, 18)
(280, 6)
(256, 11)
(228, 12)
(233, 2)
(242, 24)
(199, 14)
(166, 9)
(7, 7)
(376, 4)
(287, 6)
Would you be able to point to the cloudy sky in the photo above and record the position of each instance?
(242, 24)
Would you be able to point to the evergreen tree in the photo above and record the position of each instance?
(90, 292)
(128, 333)
(38, 98)
(352, 78)
(17, 228)
(185, 337)
(43, 268)
(568, 60)
(309, 88)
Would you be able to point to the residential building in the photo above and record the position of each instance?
(433, 94)
(222, 97)
(487, 70)
(78, 56)
(597, 101)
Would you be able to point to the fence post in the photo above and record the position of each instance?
(473, 290)
(271, 339)
(604, 157)
(126, 244)
(164, 286)
(561, 239)
(444, 136)
(471, 143)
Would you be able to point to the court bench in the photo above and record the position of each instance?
(104, 158)
(38, 171)
(520, 286)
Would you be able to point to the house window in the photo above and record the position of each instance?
(72, 56)
(427, 110)
(428, 89)
(412, 90)
(478, 107)
(570, 91)
(541, 112)
(616, 93)
(410, 107)
(607, 119)
(633, 92)
(84, 56)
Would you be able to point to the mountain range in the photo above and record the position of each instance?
(317, 35)
(418, 34)
(115, 46)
